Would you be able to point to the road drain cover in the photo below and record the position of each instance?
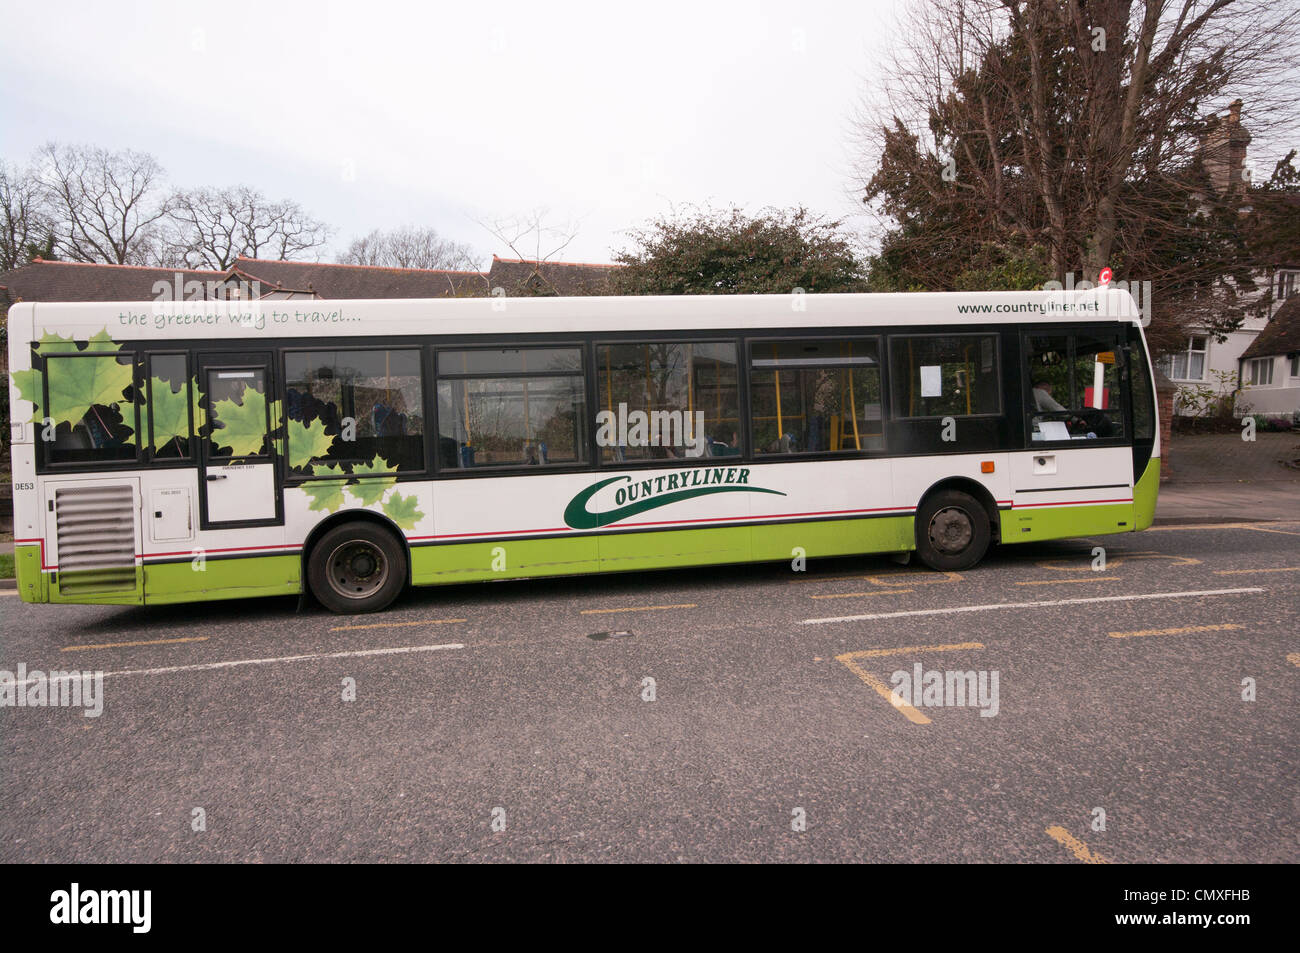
(616, 634)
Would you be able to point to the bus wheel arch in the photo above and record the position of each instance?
(956, 521)
(371, 551)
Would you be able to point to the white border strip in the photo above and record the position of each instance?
(235, 663)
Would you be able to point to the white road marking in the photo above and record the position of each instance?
(235, 663)
(1031, 605)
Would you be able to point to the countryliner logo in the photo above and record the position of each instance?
(651, 493)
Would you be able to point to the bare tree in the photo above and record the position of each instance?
(410, 247)
(25, 229)
(530, 236)
(105, 206)
(210, 228)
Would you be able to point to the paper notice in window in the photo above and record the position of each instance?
(931, 380)
(1054, 430)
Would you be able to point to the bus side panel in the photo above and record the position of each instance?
(502, 559)
(239, 578)
(32, 583)
(1144, 495)
(885, 534)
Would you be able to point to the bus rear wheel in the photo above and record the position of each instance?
(952, 531)
(357, 567)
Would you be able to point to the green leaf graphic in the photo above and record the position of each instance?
(79, 383)
(170, 413)
(307, 443)
(29, 384)
(403, 510)
(51, 343)
(326, 495)
(240, 426)
(372, 489)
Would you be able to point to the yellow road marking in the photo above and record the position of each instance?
(127, 645)
(685, 605)
(1076, 846)
(1116, 560)
(395, 625)
(1247, 572)
(849, 660)
(1101, 577)
(1182, 631)
(856, 595)
(914, 578)
(1258, 529)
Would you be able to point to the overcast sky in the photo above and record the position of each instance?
(381, 114)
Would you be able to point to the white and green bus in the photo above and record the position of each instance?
(178, 451)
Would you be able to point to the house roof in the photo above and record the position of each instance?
(77, 281)
(327, 280)
(1281, 335)
(521, 275)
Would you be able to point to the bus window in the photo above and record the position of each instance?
(350, 408)
(1140, 387)
(166, 418)
(92, 403)
(238, 414)
(815, 396)
(511, 407)
(1075, 387)
(667, 400)
(951, 375)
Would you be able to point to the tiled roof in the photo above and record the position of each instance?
(521, 276)
(1280, 336)
(75, 281)
(333, 281)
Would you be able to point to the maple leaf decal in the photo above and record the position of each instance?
(370, 489)
(240, 426)
(326, 495)
(76, 384)
(403, 510)
(306, 443)
(170, 412)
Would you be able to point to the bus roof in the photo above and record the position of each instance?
(307, 318)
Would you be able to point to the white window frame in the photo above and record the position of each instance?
(1295, 365)
(1258, 365)
(1170, 363)
(1288, 284)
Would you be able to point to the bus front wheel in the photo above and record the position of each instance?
(952, 531)
(357, 567)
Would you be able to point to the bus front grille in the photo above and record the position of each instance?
(96, 538)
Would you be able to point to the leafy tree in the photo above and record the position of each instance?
(1077, 135)
(729, 252)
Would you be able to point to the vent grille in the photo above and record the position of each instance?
(96, 538)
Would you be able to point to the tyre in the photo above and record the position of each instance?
(952, 531)
(357, 567)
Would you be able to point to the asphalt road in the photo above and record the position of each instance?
(770, 709)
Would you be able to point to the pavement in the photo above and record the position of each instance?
(1145, 710)
(1220, 477)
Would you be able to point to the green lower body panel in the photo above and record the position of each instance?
(890, 534)
(1144, 494)
(222, 579)
(503, 559)
(33, 585)
(1060, 522)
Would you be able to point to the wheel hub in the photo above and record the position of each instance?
(357, 569)
(951, 530)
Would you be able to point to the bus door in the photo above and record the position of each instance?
(238, 465)
(1075, 476)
